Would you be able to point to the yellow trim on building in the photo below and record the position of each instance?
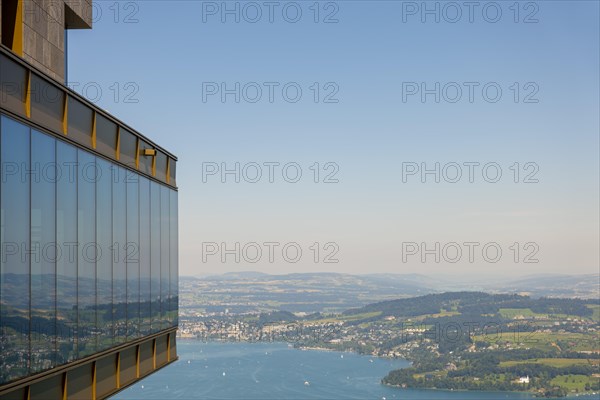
(65, 122)
(17, 45)
(118, 146)
(94, 130)
(28, 95)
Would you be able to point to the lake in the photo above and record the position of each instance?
(275, 371)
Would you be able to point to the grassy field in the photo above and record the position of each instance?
(511, 313)
(438, 315)
(514, 312)
(543, 340)
(552, 362)
(342, 318)
(438, 374)
(596, 314)
(573, 382)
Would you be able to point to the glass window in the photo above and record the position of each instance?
(173, 172)
(145, 298)
(174, 251)
(13, 85)
(145, 161)
(128, 146)
(155, 291)
(44, 251)
(132, 256)
(161, 166)
(14, 267)
(119, 239)
(89, 253)
(106, 136)
(86, 233)
(66, 263)
(165, 231)
(47, 102)
(104, 299)
(80, 122)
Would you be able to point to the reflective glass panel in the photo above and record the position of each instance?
(132, 255)
(86, 271)
(80, 122)
(127, 145)
(165, 276)
(119, 239)
(106, 136)
(66, 263)
(155, 251)
(13, 86)
(14, 267)
(145, 316)
(104, 298)
(44, 251)
(174, 251)
(161, 166)
(47, 104)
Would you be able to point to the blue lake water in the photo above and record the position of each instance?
(275, 371)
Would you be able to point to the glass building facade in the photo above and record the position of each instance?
(89, 248)
(88, 225)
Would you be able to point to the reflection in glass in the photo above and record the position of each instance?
(104, 261)
(145, 298)
(127, 146)
(80, 122)
(174, 270)
(46, 103)
(155, 250)
(106, 136)
(164, 254)
(89, 253)
(44, 252)
(119, 219)
(132, 257)
(14, 282)
(66, 264)
(86, 271)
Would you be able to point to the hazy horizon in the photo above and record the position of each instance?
(380, 153)
(471, 277)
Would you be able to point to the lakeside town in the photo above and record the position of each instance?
(455, 340)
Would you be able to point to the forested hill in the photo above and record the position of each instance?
(474, 303)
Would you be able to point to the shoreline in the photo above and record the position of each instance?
(570, 395)
(457, 390)
(326, 349)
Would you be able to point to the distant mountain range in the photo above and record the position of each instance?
(538, 285)
(251, 291)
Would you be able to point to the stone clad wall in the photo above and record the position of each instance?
(44, 23)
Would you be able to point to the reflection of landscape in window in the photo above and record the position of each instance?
(93, 300)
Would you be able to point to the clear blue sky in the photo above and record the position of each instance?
(174, 52)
